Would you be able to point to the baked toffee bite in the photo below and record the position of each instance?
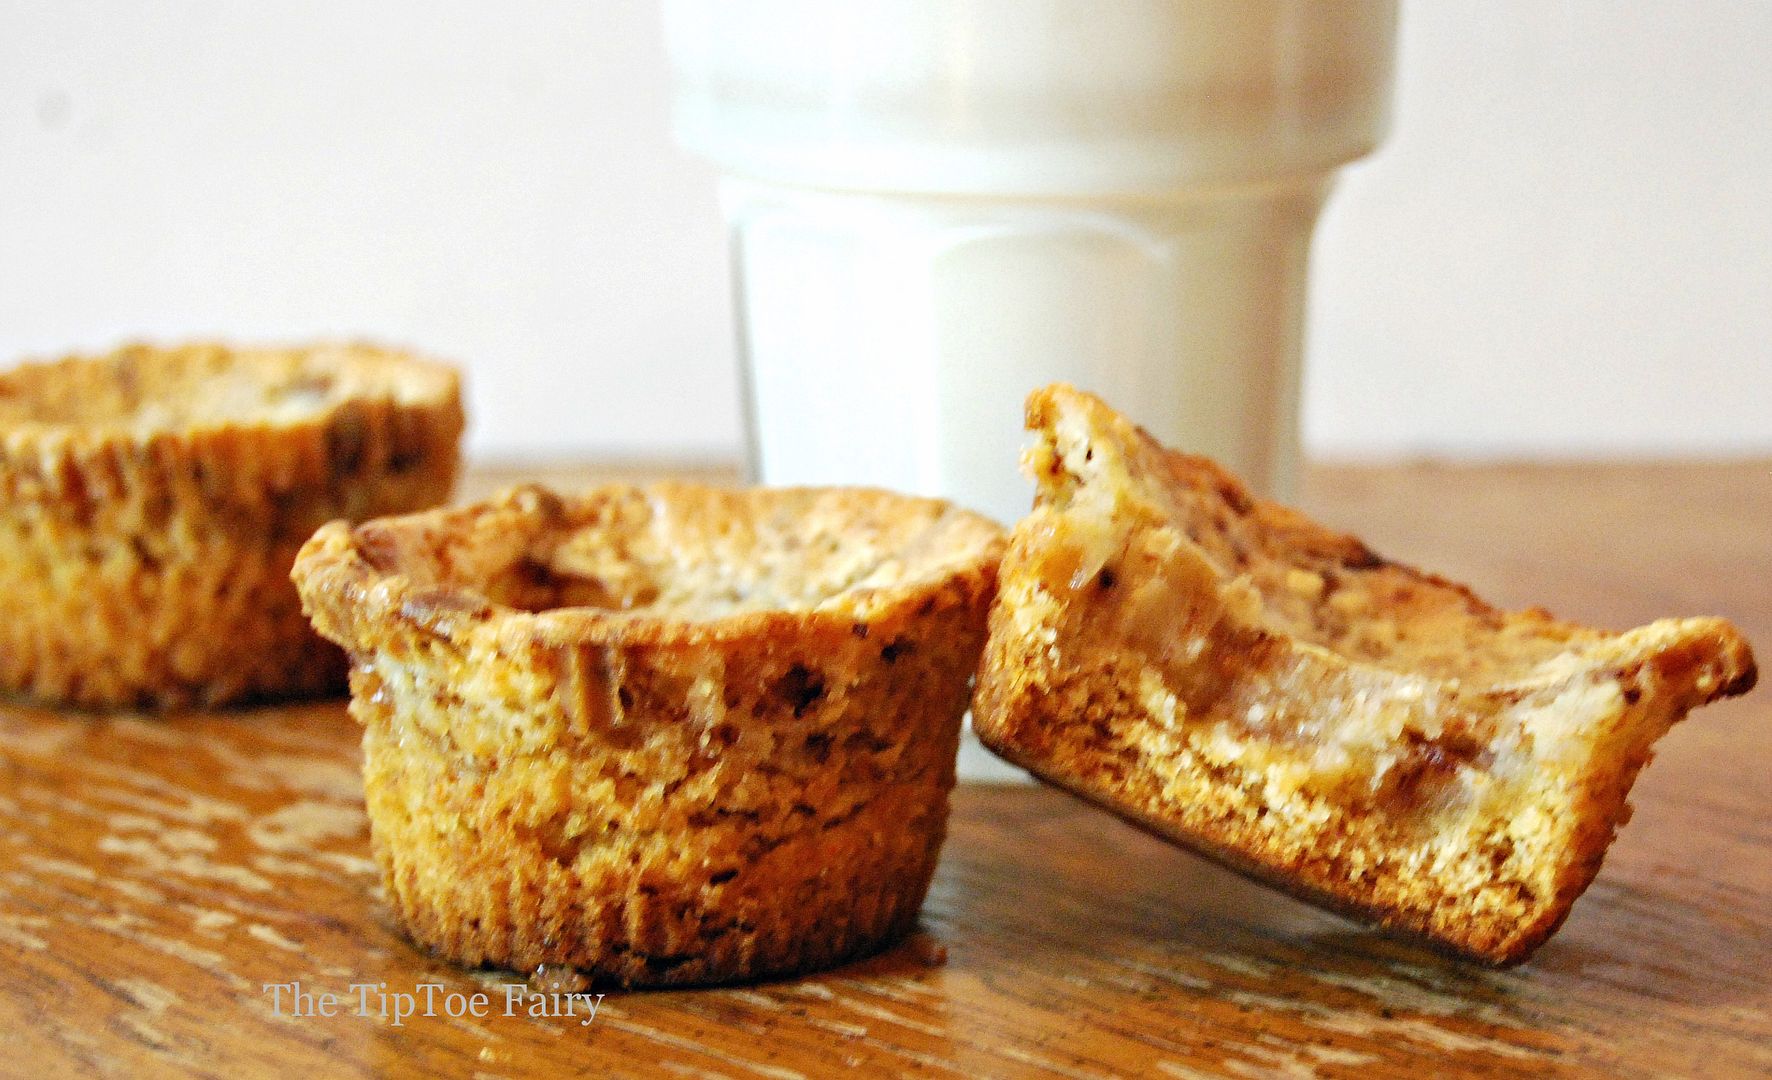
(152, 501)
(1241, 680)
(662, 735)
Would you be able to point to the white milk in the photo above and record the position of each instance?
(938, 205)
(893, 345)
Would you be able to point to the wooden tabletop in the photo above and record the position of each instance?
(157, 874)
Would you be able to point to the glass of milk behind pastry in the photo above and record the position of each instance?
(939, 205)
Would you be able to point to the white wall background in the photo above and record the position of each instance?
(1566, 248)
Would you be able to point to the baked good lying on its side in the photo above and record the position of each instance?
(152, 502)
(1239, 679)
(662, 735)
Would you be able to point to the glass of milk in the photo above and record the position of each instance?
(937, 205)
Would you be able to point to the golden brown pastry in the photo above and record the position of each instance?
(152, 501)
(1235, 677)
(662, 735)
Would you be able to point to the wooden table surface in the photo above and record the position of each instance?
(156, 874)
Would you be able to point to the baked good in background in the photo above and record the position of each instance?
(1244, 681)
(662, 735)
(152, 501)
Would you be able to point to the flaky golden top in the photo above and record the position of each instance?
(263, 445)
(673, 563)
(1327, 589)
(144, 392)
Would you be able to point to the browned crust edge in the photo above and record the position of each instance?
(150, 569)
(352, 600)
(1517, 950)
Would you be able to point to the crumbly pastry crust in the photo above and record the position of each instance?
(152, 501)
(1233, 676)
(663, 735)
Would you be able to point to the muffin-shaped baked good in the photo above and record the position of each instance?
(1242, 680)
(152, 502)
(662, 735)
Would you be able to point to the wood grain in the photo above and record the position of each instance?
(155, 874)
